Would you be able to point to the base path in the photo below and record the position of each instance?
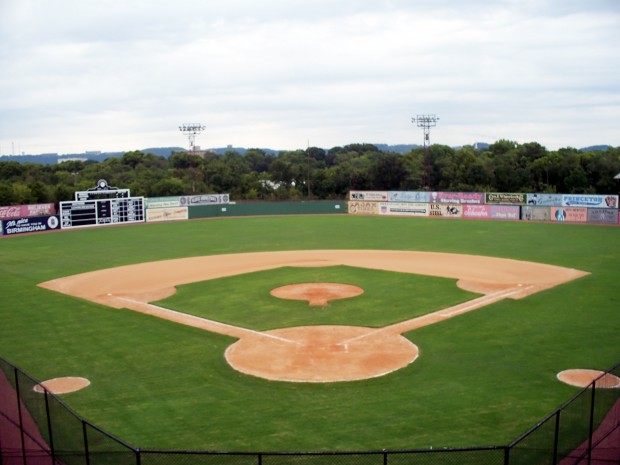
(317, 353)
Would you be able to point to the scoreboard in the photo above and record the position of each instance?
(101, 212)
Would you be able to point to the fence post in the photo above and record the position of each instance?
(507, 455)
(19, 416)
(591, 422)
(385, 458)
(556, 437)
(49, 425)
(84, 433)
(138, 456)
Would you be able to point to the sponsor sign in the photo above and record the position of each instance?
(591, 201)
(504, 212)
(23, 211)
(167, 214)
(363, 208)
(372, 196)
(477, 211)
(403, 208)
(549, 200)
(29, 225)
(569, 214)
(505, 198)
(409, 196)
(204, 199)
(445, 211)
(476, 198)
(602, 216)
(535, 213)
(162, 202)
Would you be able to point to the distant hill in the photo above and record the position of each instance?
(54, 158)
(594, 148)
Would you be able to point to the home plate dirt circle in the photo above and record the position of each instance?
(321, 354)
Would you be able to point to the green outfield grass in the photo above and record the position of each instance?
(481, 379)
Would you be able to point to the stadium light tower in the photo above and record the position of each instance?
(191, 130)
(426, 122)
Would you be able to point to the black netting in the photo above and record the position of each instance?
(537, 447)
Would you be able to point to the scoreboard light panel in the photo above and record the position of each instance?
(101, 212)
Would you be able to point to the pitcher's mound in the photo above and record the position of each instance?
(62, 385)
(321, 354)
(583, 378)
(317, 294)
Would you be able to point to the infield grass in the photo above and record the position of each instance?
(245, 301)
(481, 379)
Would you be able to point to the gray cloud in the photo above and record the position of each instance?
(121, 75)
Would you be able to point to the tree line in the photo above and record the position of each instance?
(315, 173)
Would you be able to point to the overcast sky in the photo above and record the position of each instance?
(119, 75)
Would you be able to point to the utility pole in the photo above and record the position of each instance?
(426, 122)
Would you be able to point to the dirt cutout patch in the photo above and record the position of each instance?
(315, 353)
(317, 294)
(63, 385)
(583, 378)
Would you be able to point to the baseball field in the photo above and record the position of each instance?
(313, 333)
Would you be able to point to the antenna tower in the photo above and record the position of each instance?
(426, 122)
(191, 130)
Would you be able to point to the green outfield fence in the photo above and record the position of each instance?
(37, 428)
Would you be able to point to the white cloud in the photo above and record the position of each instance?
(120, 75)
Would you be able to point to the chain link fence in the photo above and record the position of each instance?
(37, 428)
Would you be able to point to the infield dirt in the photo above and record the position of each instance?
(315, 353)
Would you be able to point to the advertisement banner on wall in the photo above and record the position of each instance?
(481, 212)
(205, 199)
(409, 196)
(167, 214)
(602, 216)
(548, 200)
(505, 198)
(505, 212)
(474, 198)
(590, 201)
(403, 208)
(162, 202)
(24, 211)
(369, 196)
(29, 225)
(535, 213)
(569, 214)
(363, 208)
(445, 211)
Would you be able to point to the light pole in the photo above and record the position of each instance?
(191, 130)
(426, 122)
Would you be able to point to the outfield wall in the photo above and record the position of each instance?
(179, 208)
(507, 206)
(268, 208)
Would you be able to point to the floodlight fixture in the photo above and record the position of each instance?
(426, 122)
(191, 130)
